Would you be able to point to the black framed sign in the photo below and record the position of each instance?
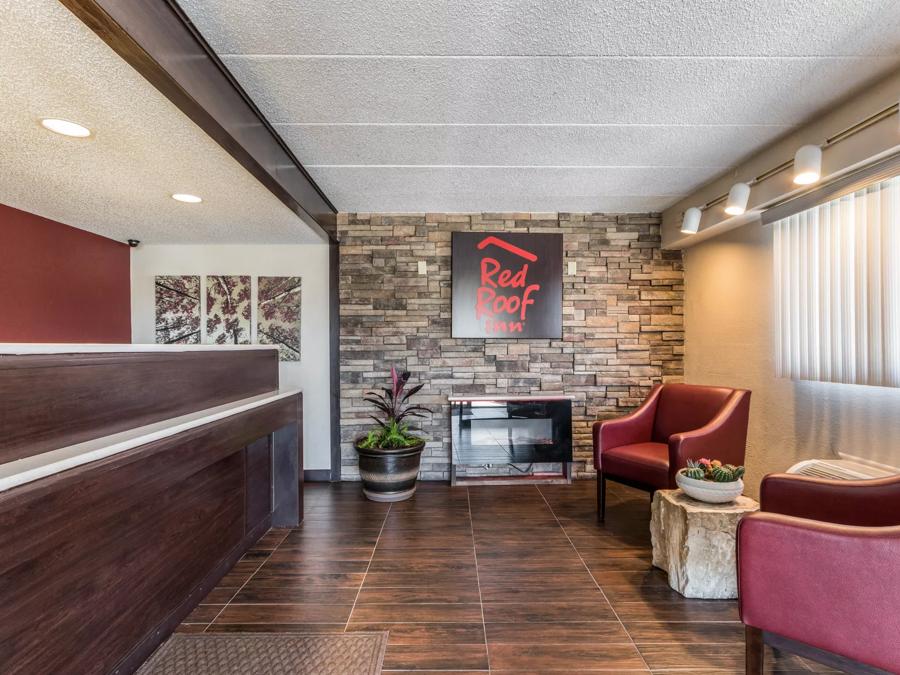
(507, 285)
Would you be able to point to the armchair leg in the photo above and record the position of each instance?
(755, 650)
(601, 497)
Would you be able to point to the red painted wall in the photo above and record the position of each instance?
(61, 284)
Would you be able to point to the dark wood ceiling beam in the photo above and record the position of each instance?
(160, 42)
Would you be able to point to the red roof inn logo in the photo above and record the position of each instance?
(504, 292)
(507, 285)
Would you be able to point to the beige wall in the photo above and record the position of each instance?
(728, 341)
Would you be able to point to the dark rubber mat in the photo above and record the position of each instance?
(256, 653)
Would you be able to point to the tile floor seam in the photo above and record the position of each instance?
(487, 649)
(365, 574)
(253, 574)
(588, 570)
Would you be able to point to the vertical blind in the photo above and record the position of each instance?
(837, 289)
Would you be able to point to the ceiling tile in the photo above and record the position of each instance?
(560, 27)
(715, 147)
(559, 189)
(550, 90)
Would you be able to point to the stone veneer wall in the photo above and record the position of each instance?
(622, 322)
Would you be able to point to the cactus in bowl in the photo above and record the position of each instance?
(699, 473)
(714, 470)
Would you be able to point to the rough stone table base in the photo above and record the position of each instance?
(695, 543)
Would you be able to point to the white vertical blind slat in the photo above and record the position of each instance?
(837, 289)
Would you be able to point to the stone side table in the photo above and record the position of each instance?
(695, 543)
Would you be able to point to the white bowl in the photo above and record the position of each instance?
(709, 491)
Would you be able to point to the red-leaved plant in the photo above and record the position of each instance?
(394, 407)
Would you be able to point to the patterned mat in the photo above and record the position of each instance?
(258, 654)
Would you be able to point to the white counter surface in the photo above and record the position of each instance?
(76, 348)
(32, 468)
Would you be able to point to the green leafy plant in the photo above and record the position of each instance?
(394, 406)
(712, 470)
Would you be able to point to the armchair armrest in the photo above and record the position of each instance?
(636, 427)
(834, 587)
(724, 437)
(871, 503)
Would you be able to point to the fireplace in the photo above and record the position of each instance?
(510, 438)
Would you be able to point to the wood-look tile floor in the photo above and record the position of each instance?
(517, 579)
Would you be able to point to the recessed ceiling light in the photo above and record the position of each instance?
(186, 198)
(65, 127)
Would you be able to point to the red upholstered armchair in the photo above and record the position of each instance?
(675, 423)
(818, 572)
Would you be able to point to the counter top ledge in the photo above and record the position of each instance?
(28, 469)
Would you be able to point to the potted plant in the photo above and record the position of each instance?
(711, 481)
(389, 454)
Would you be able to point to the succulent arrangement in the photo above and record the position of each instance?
(712, 470)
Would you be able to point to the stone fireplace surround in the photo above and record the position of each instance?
(622, 322)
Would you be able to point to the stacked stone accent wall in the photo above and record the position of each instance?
(622, 322)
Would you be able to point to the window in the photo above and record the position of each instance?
(837, 289)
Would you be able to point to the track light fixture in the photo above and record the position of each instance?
(691, 222)
(807, 165)
(738, 197)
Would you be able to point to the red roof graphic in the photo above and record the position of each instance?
(495, 241)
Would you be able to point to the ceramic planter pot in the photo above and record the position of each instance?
(709, 491)
(389, 475)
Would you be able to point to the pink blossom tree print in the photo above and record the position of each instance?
(278, 315)
(228, 310)
(178, 310)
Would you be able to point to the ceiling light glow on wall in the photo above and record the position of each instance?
(807, 165)
(691, 222)
(65, 127)
(186, 198)
(738, 196)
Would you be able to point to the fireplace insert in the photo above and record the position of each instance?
(517, 436)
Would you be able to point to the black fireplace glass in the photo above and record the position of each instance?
(511, 431)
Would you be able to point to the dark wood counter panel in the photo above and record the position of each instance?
(57, 400)
(98, 564)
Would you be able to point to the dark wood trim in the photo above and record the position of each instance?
(161, 43)
(334, 335)
(164, 628)
(299, 433)
(839, 663)
(317, 475)
(287, 462)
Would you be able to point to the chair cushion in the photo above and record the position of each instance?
(646, 463)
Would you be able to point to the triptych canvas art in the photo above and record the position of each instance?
(228, 311)
(178, 310)
(278, 315)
